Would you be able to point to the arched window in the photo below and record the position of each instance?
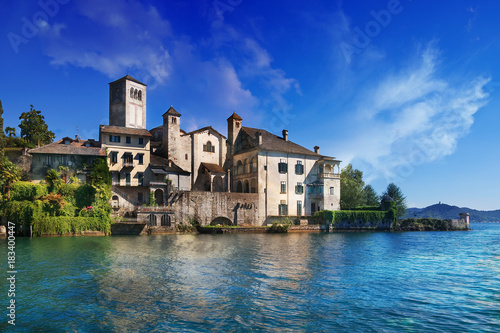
(136, 94)
(253, 186)
(140, 95)
(208, 147)
(239, 168)
(253, 164)
(131, 92)
(239, 187)
(152, 219)
(165, 220)
(246, 187)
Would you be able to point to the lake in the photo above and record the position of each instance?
(298, 282)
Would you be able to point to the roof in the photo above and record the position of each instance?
(128, 77)
(158, 162)
(235, 116)
(209, 128)
(213, 168)
(273, 142)
(172, 112)
(75, 147)
(124, 130)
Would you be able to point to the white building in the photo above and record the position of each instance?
(288, 178)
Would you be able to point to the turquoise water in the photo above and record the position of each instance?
(307, 282)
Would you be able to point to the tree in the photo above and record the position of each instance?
(351, 187)
(2, 135)
(399, 199)
(34, 129)
(370, 196)
(99, 172)
(9, 174)
(10, 131)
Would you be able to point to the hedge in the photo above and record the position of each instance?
(23, 212)
(60, 225)
(335, 217)
(20, 191)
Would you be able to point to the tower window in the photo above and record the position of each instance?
(140, 95)
(131, 92)
(174, 120)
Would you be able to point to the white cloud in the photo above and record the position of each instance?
(413, 117)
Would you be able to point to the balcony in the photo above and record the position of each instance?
(329, 175)
(128, 164)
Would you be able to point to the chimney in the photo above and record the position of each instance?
(259, 137)
(76, 137)
(316, 149)
(285, 135)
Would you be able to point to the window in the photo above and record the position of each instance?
(127, 179)
(66, 142)
(315, 189)
(174, 120)
(131, 92)
(140, 95)
(299, 208)
(283, 166)
(283, 208)
(128, 139)
(141, 141)
(186, 156)
(140, 158)
(165, 220)
(128, 158)
(208, 147)
(299, 168)
(139, 197)
(283, 187)
(114, 157)
(253, 164)
(114, 138)
(332, 191)
(299, 189)
(140, 178)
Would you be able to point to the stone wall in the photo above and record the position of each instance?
(238, 208)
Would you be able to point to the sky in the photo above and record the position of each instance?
(406, 91)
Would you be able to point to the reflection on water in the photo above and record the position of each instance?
(297, 282)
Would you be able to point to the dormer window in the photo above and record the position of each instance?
(87, 145)
(66, 142)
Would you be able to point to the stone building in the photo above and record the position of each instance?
(76, 155)
(248, 177)
(279, 176)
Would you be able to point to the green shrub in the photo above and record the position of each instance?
(84, 195)
(60, 225)
(68, 191)
(21, 191)
(280, 227)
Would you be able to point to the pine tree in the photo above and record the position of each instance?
(399, 199)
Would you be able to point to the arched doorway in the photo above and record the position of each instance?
(221, 220)
(159, 197)
(246, 186)
(165, 220)
(239, 187)
(218, 184)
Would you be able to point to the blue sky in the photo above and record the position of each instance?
(406, 91)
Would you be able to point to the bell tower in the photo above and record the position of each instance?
(127, 103)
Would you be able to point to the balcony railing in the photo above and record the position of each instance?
(329, 175)
(128, 164)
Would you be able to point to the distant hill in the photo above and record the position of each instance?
(443, 211)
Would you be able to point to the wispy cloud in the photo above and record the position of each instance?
(413, 117)
(226, 68)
